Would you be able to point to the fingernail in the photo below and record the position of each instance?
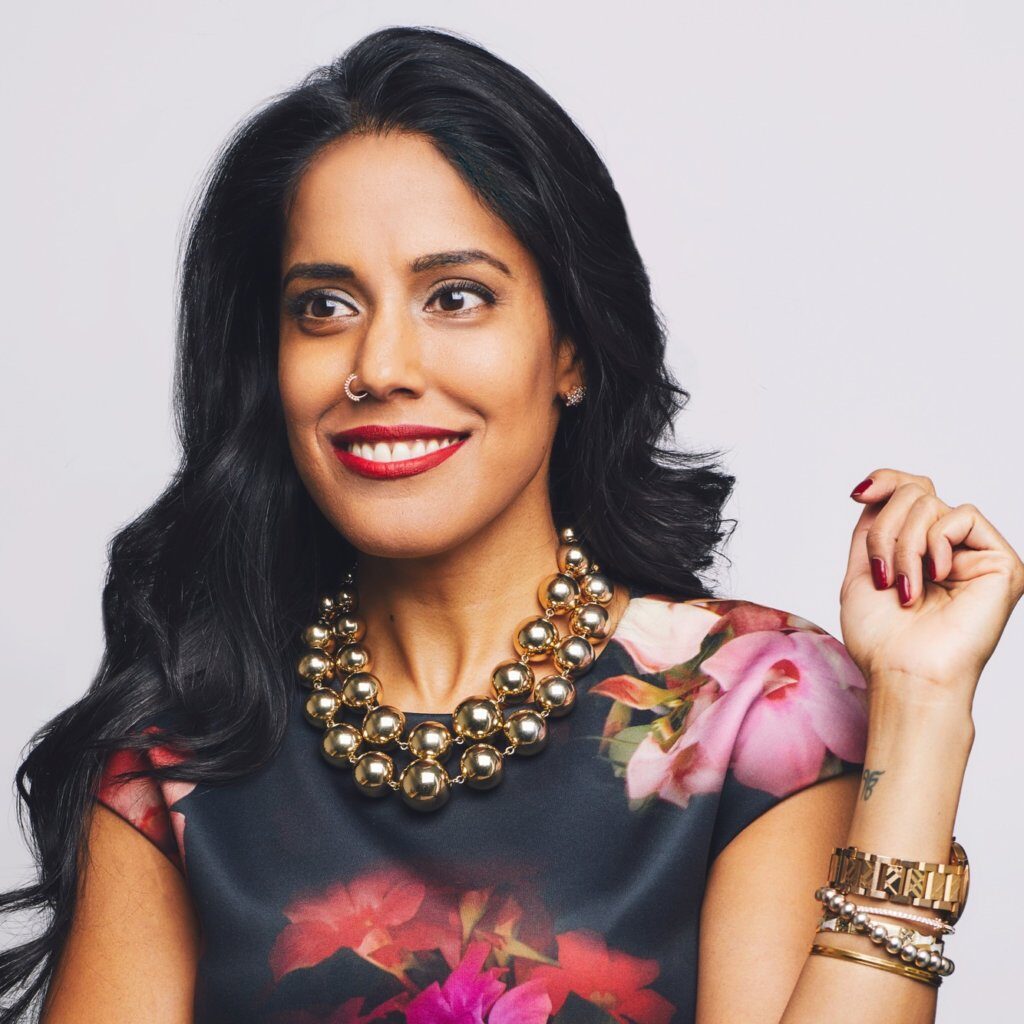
(861, 487)
(903, 586)
(878, 573)
(929, 566)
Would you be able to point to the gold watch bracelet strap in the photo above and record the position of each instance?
(914, 883)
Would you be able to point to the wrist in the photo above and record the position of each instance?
(903, 718)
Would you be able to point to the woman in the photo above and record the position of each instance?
(421, 392)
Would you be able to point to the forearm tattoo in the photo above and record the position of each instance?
(871, 776)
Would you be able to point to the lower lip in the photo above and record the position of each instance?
(404, 467)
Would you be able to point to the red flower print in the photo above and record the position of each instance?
(382, 915)
(471, 995)
(610, 979)
(145, 802)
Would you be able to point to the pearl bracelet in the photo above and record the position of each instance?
(923, 959)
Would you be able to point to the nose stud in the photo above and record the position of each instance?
(348, 389)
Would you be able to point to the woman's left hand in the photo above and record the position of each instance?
(927, 637)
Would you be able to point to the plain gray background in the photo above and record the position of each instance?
(828, 199)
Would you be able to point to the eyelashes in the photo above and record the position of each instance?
(296, 306)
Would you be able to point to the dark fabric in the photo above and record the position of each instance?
(571, 892)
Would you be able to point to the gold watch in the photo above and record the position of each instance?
(916, 883)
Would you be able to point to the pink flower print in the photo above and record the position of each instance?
(801, 695)
(697, 760)
(659, 633)
(471, 995)
(739, 617)
(612, 980)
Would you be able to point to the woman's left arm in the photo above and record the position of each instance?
(921, 646)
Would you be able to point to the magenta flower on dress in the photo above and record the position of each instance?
(470, 995)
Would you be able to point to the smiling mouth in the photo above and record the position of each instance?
(398, 451)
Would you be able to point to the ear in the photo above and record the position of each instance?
(569, 366)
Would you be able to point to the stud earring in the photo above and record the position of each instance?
(574, 395)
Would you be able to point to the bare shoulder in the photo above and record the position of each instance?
(132, 950)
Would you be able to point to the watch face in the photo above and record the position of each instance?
(960, 857)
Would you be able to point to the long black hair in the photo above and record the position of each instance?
(208, 588)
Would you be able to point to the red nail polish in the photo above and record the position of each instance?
(861, 487)
(878, 573)
(929, 566)
(903, 586)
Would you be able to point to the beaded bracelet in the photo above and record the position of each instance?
(920, 959)
(918, 940)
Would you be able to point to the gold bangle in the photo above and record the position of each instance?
(862, 958)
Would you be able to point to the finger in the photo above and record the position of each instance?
(883, 482)
(912, 544)
(884, 532)
(966, 527)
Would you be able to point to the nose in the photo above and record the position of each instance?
(388, 358)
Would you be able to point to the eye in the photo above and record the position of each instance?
(458, 296)
(319, 306)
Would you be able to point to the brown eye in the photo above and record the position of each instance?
(319, 306)
(461, 297)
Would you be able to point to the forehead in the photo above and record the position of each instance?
(391, 196)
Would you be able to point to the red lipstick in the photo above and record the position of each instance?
(374, 432)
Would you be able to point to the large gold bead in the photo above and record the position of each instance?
(318, 636)
(383, 725)
(512, 680)
(360, 690)
(559, 591)
(573, 655)
(373, 772)
(476, 717)
(315, 666)
(556, 693)
(424, 785)
(597, 588)
(573, 560)
(430, 740)
(353, 658)
(346, 600)
(482, 766)
(319, 704)
(526, 731)
(348, 628)
(339, 742)
(535, 638)
(590, 621)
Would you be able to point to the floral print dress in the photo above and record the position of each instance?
(571, 892)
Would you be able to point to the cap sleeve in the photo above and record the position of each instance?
(795, 706)
(146, 803)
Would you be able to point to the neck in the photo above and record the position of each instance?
(437, 626)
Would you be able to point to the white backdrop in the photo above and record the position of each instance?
(828, 199)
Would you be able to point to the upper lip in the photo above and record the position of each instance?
(392, 432)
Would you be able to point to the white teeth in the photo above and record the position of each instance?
(399, 450)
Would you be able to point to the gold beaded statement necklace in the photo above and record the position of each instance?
(335, 666)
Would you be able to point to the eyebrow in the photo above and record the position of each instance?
(452, 258)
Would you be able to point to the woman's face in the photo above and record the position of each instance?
(395, 271)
